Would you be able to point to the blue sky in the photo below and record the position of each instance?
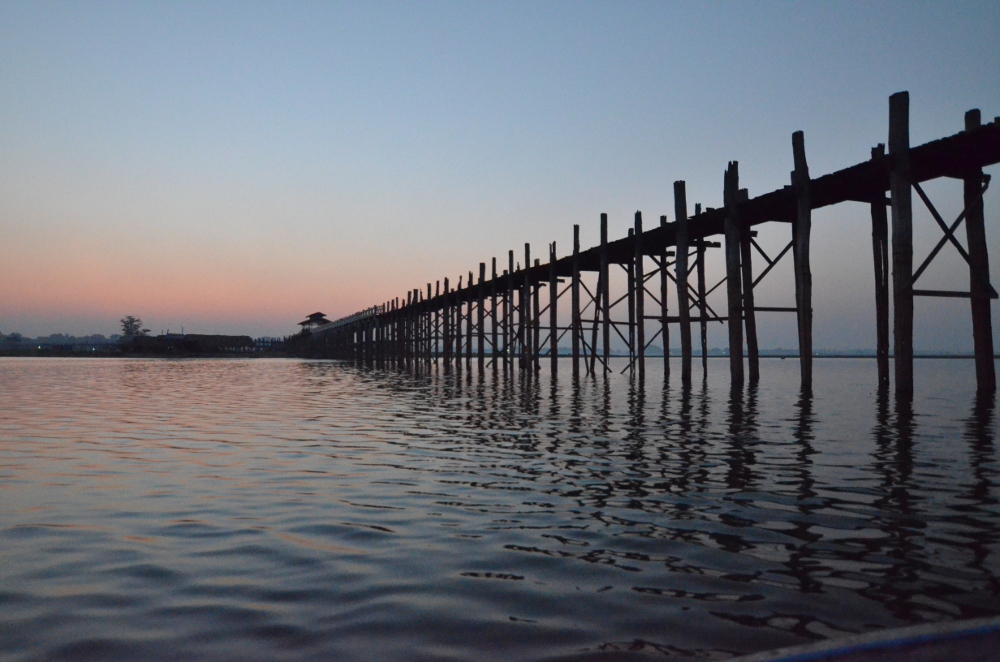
(231, 167)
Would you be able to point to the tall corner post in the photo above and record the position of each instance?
(603, 293)
(880, 258)
(800, 248)
(681, 276)
(734, 289)
(979, 263)
(575, 325)
(902, 241)
(640, 300)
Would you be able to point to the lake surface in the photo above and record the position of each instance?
(297, 510)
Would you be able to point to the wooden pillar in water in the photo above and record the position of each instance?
(525, 314)
(749, 315)
(640, 300)
(880, 256)
(535, 319)
(460, 321)
(702, 304)
(553, 318)
(902, 240)
(603, 292)
(493, 314)
(631, 304)
(664, 325)
(575, 326)
(681, 274)
(428, 326)
(734, 288)
(800, 248)
(481, 314)
(446, 324)
(469, 303)
(510, 336)
(979, 263)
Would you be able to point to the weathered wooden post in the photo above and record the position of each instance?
(553, 319)
(447, 324)
(702, 304)
(749, 315)
(979, 263)
(458, 323)
(510, 336)
(428, 326)
(681, 275)
(880, 255)
(734, 288)
(470, 302)
(535, 319)
(902, 241)
(603, 292)
(575, 326)
(640, 299)
(664, 325)
(630, 269)
(493, 314)
(524, 317)
(803, 273)
(481, 311)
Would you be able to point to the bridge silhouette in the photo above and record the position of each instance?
(501, 320)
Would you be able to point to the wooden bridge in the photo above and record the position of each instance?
(503, 319)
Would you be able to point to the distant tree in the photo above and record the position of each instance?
(132, 328)
(13, 339)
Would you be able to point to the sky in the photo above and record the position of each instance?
(230, 167)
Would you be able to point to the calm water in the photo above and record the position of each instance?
(292, 510)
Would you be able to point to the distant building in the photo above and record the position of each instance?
(313, 321)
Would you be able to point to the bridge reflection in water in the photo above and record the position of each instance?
(325, 509)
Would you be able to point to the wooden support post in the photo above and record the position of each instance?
(902, 241)
(982, 325)
(640, 299)
(681, 275)
(603, 293)
(510, 336)
(506, 317)
(664, 326)
(428, 327)
(553, 318)
(524, 318)
(493, 314)
(880, 256)
(535, 319)
(702, 304)
(469, 302)
(481, 311)
(575, 326)
(459, 324)
(446, 330)
(749, 317)
(803, 273)
(631, 304)
(734, 288)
